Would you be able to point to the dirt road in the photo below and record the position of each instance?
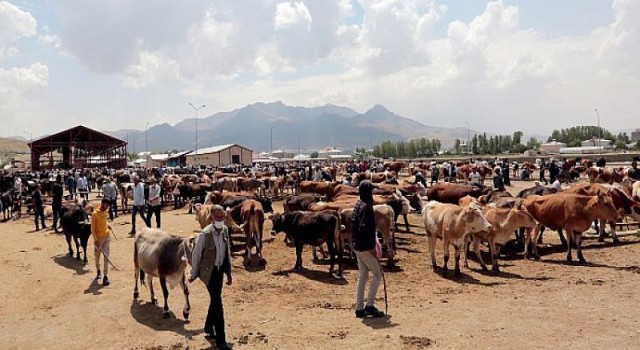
(49, 300)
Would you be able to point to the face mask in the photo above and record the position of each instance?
(218, 224)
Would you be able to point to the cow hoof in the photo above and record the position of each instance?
(154, 301)
(136, 295)
(185, 315)
(582, 261)
(484, 268)
(457, 274)
(601, 239)
(616, 241)
(435, 268)
(70, 254)
(536, 257)
(246, 262)
(262, 262)
(444, 273)
(495, 272)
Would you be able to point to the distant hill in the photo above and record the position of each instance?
(311, 128)
(13, 145)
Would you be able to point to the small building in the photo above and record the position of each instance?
(552, 147)
(595, 142)
(635, 135)
(221, 155)
(583, 150)
(156, 160)
(281, 154)
(178, 159)
(328, 152)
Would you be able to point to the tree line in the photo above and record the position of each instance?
(574, 136)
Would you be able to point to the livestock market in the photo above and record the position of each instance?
(319, 175)
(483, 209)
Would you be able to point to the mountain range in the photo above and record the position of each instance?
(293, 128)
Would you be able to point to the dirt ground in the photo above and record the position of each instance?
(49, 300)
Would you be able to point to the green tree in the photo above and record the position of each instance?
(517, 137)
(456, 147)
(313, 155)
(474, 145)
(533, 143)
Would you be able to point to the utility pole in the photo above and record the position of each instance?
(146, 142)
(599, 134)
(272, 126)
(196, 109)
(468, 138)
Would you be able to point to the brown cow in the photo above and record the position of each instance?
(451, 193)
(395, 166)
(570, 211)
(319, 187)
(452, 224)
(253, 221)
(384, 224)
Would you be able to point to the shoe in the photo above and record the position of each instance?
(98, 275)
(373, 312)
(359, 313)
(223, 346)
(105, 281)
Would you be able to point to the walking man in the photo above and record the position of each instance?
(364, 243)
(82, 187)
(109, 193)
(56, 205)
(543, 167)
(154, 207)
(138, 204)
(100, 234)
(71, 183)
(211, 261)
(38, 209)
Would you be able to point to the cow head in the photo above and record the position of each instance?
(278, 223)
(475, 221)
(267, 205)
(520, 217)
(603, 206)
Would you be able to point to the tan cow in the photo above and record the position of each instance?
(253, 221)
(570, 211)
(452, 224)
(384, 224)
(504, 222)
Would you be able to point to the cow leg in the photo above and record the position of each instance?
(332, 256)
(298, 256)
(495, 251)
(445, 250)
(247, 252)
(75, 239)
(185, 290)
(165, 295)
(154, 301)
(68, 238)
(432, 249)
(136, 275)
(190, 206)
(476, 249)
(569, 238)
(390, 243)
(406, 222)
(84, 250)
(578, 240)
(612, 225)
(456, 269)
(563, 241)
(539, 240)
(531, 240)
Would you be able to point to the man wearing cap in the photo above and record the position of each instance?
(154, 203)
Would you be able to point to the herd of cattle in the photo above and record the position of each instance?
(461, 214)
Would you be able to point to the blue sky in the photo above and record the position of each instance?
(500, 65)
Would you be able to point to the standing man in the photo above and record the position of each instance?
(82, 187)
(634, 172)
(109, 193)
(553, 171)
(154, 206)
(100, 234)
(475, 177)
(543, 167)
(138, 204)
(364, 244)
(497, 178)
(71, 183)
(17, 186)
(56, 205)
(506, 180)
(435, 173)
(211, 261)
(38, 209)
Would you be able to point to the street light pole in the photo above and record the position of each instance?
(146, 142)
(196, 109)
(468, 138)
(272, 126)
(599, 134)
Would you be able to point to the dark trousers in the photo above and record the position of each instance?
(215, 316)
(56, 213)
(542, 178)
(135, 210)
(151, 211)
(113, 208)
(38, 211)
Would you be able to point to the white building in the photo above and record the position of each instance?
(594, 142)
(552, 147)
(221, 155)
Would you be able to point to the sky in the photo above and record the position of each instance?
(530, 65)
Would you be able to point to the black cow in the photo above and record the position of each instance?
(311, 228)
(6, 200)
(300, 202)
(232, 202)
(74, 222)
(189, 191)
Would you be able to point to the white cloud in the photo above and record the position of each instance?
(291, 14)
(16, 83)
(14, 24)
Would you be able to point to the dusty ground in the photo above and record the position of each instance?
(48, 300)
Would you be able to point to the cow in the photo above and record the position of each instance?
(188, 191)
(503, 223)
(452, 224)
(570, 211)
(451, 193)
(126, 194)
(384, 224)
(75, 224)
(6, 201)
(165, 256)
(321, 188)
(300, 202)
(395, 166)
(235, 200)
(621, 201)
(250, 185)
(313, 229)
(253, 221)
(388, 177)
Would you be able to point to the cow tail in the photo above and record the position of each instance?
(338, 243)
(138, 272)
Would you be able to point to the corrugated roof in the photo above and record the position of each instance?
(219, 148)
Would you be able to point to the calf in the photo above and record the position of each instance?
(452, 224)
(313, 229)
(570, 211)
(75, 224)
(503, 223)
(165, 256)
(252, 222)
(300, 202)
(384, 224)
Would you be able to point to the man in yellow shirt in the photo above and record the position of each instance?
(100, 234)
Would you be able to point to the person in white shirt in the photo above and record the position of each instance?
(562, 178)
(82, 185)
(154, 206)
(475, 178)
(138, 204)
(17, 186)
